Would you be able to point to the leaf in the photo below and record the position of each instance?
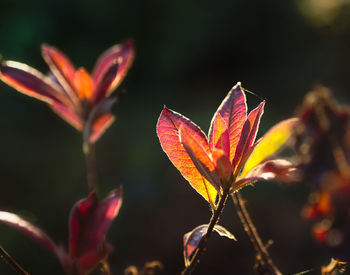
(199, 156)
(233, 110)
(28, 229)
(105, 82)
(30, 82)
(219, 137)
(192, 239)
(222, 164)
(80, 215)
(102, 218)
(62, 68)
(99, 120)
(168, 126)
(123, 54)
(249, 131)
(272, 170)
(270, 144)
(67, 114)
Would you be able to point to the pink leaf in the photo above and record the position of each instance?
(28, 229)
(123, 54)
(219, 138)
(29, 81)
(248, 135)
(272, 170)
(233, 110)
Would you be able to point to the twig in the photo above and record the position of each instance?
(265, 263)
(202, 246)
(91, 172)
(8, 259)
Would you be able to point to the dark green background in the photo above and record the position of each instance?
(188, 55)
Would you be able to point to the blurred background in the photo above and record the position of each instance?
(188, 56)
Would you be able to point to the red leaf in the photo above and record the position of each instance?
(222, 164)
(29, 81)
(89, 222)
(28, 229)
(123, 54)
(89, 261)
(247, 138)
(84, 85)
(168, 126)
(78, 221)
(233, 110)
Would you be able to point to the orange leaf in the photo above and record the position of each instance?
(62, 68)
(200, 157)
(168, 126)
(219, 138)
(83, 84)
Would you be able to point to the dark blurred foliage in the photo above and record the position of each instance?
(323, 148)
(189, 54)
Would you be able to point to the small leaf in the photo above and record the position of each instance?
(270, 144)
(223, 232)
(105, 82)
(99, 120)
(219, 136)
(168, 126)
(123, 55)
(83, 84)
(192, 239)
(28, 229)
(247, 138)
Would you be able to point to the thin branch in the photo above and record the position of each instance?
(202, 246)
(8, 259)
(91, 172)
(265, 263)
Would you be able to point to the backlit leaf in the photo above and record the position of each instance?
(199, 156)
(62, 68)
(249, 131)
(31, 82)
(123, 55)
(270, 144)
(192, 239)
(168, 126)
(28, 229)
(233, 110)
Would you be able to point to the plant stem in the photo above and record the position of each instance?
(12, 262)
(91, 172)
(264, 261)
(202, 246)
